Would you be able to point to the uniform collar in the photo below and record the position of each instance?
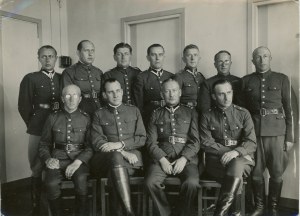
(85, 66)
(49, 74)
(157, 72)
(264, 74)
(191, 71)
(119, 108)
(172, 109)
(122, 69)
(226, 111)
(222, 75)
(69, 115)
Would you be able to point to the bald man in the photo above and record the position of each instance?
(267, 95)
(65, 150)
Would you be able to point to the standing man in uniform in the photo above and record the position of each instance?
(86, 76)
(228, 139)
(146, 91)
(267, 95)
(173, 143)
(39, 96)
(123, 72)
(222, 64)
(65, 149)
(189, 78)
(117, 134)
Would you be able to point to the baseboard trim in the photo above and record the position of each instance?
(289, 203)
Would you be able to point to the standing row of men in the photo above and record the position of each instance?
(165, 105)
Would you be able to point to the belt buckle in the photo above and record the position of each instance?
(55, 106)
(94, 94)
(172, 139)
(69, 148)
(263, 112)
(275, 111)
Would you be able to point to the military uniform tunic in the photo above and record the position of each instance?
(205, 100)
(39, 95)
(126, 77)
(267, 96)
(222, 131)
(117, 124)
(190, 84)
(173, 133)
(146, 91)
(88, 79)
(63, 128)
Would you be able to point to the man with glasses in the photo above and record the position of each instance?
(123, 72)
(86, 76)
(222, 64)
(66, 151)
(39, 95)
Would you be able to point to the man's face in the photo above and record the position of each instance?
(123, 57)
(223, 63)
(113, 93)
(156, 57)
(87, 53)
(171, 93)
(223, 95)
(191, 58)
(71, 98)
(262, 59)
(47, 59)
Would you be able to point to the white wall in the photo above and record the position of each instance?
(211, 24)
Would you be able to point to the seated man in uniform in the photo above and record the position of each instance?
(173, 143)
(65, 149)
(117, 134)
(228, 139)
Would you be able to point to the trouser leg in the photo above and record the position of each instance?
(154, 179)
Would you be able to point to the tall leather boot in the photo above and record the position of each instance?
(236, 207)
(36, 188)
(273, 198)
(259, 197)
(228, 192)
(120, 180)
(55, 207)
(81, 205)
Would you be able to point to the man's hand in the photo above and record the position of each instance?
(71, 169)
(52, 163)
(130, 157)
(110, 146)
(228, 156)
(179, 165)
(288, 146)
(166, 166)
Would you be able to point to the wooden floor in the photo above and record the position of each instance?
(16, 201)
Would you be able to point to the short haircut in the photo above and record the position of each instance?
(122, 45)
(79, 46)
(152, 46)
(254, 51)
(170, 79)
(69, 86)
(109, 80)
(220, 82)
(46, 47)
(222, 51)
(190, 46)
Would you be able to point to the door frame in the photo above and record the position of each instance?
(179, 14)
(252, 22)
(38, 22)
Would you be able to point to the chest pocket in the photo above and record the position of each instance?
(43, 89)
(235, 130)
(81, 76)
(129, 126)
(58, 135)
(273, 88)
(79, 134)
(161, 127)
(183, 125)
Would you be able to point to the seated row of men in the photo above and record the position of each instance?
(117, 134)
(266, 94)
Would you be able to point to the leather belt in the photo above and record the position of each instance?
(227, 142)
(264, 111)
(173, 140)
(158, 103)
(191, 104)
(91, 95)
(53, 106)
(69, 147)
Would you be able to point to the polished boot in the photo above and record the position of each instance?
(81, 205)
(120, 181)
(236, 207)
(259, 197)
(55, 207)
(273, 198)
(228, 192)
(36, 188)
